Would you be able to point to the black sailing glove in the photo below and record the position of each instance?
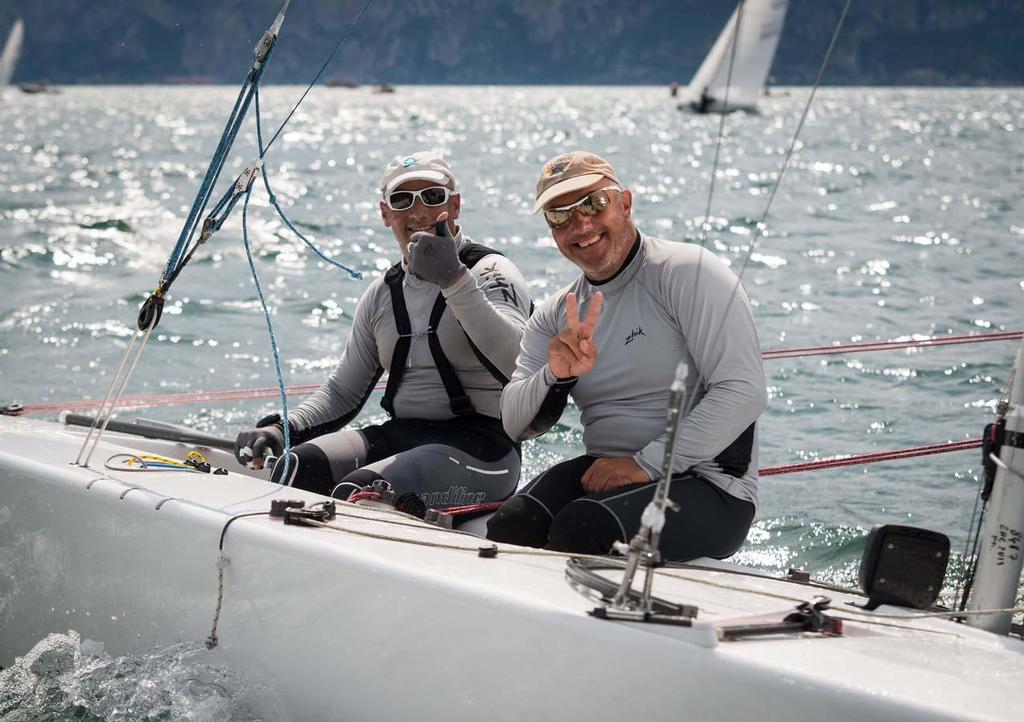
(252, 446)
(434, 259)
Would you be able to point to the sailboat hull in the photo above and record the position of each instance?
(718, 108)
(378, 620)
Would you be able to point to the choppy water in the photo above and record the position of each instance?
(900, 214)
(66, 678)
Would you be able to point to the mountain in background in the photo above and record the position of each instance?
(888, 42)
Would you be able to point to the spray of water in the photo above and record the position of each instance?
(64, 677)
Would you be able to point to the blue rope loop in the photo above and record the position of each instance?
(354, 274)
(357, 275)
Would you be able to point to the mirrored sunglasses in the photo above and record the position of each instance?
(589, 205)
(433, 196)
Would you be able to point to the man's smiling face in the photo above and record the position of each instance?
(419, 217)
(598, 244)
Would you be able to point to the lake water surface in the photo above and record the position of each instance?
(900, 214)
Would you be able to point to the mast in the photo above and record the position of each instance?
(1001, 556)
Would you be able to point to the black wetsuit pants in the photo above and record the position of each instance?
(554, 511)
(466, 460)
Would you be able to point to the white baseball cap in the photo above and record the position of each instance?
(424, 165)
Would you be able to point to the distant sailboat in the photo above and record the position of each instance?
(12, 49)
(760, 26)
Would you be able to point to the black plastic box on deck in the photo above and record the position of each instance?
(904, 566)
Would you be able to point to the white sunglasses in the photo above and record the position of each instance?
(404, 200)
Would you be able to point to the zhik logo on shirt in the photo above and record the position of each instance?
(634, 335)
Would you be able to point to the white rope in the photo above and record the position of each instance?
(120, 392)
(222, 561)
(864, 616)
(110, 389)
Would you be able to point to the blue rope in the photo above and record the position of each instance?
(232, 202)
(203, 196)
(246, 93)
(273, 338)
(259, 125)
(227, 139)
(357, 275)
(212, 174)
(280, 211)
(229, 197)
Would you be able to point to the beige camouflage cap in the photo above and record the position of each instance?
(570, 172)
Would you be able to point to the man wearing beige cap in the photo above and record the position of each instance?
(445, 322)
(613, 340)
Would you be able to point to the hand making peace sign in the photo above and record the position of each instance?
(573, 352)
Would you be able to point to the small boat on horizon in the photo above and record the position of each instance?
(342, 83)
(41, 86)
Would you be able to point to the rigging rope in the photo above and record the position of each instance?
(792, 145)
(683, 572)
(691, 398)
(119, 381)
(248, 176)
(150, 312)
(721, 124)
(972, 545)
(178, 258)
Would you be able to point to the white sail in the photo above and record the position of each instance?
(760, 26)
(12, 49)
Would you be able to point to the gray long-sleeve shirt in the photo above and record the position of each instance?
(489, 305)
(671, 302)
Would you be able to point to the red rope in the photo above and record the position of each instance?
(874, 457)
(131, 402)
(472, 508)
(853, 460)
(890, 345)
(364, 496)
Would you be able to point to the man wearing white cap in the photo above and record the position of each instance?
(445, 322)
(613, 340)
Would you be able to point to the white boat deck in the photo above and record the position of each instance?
(383, 617)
